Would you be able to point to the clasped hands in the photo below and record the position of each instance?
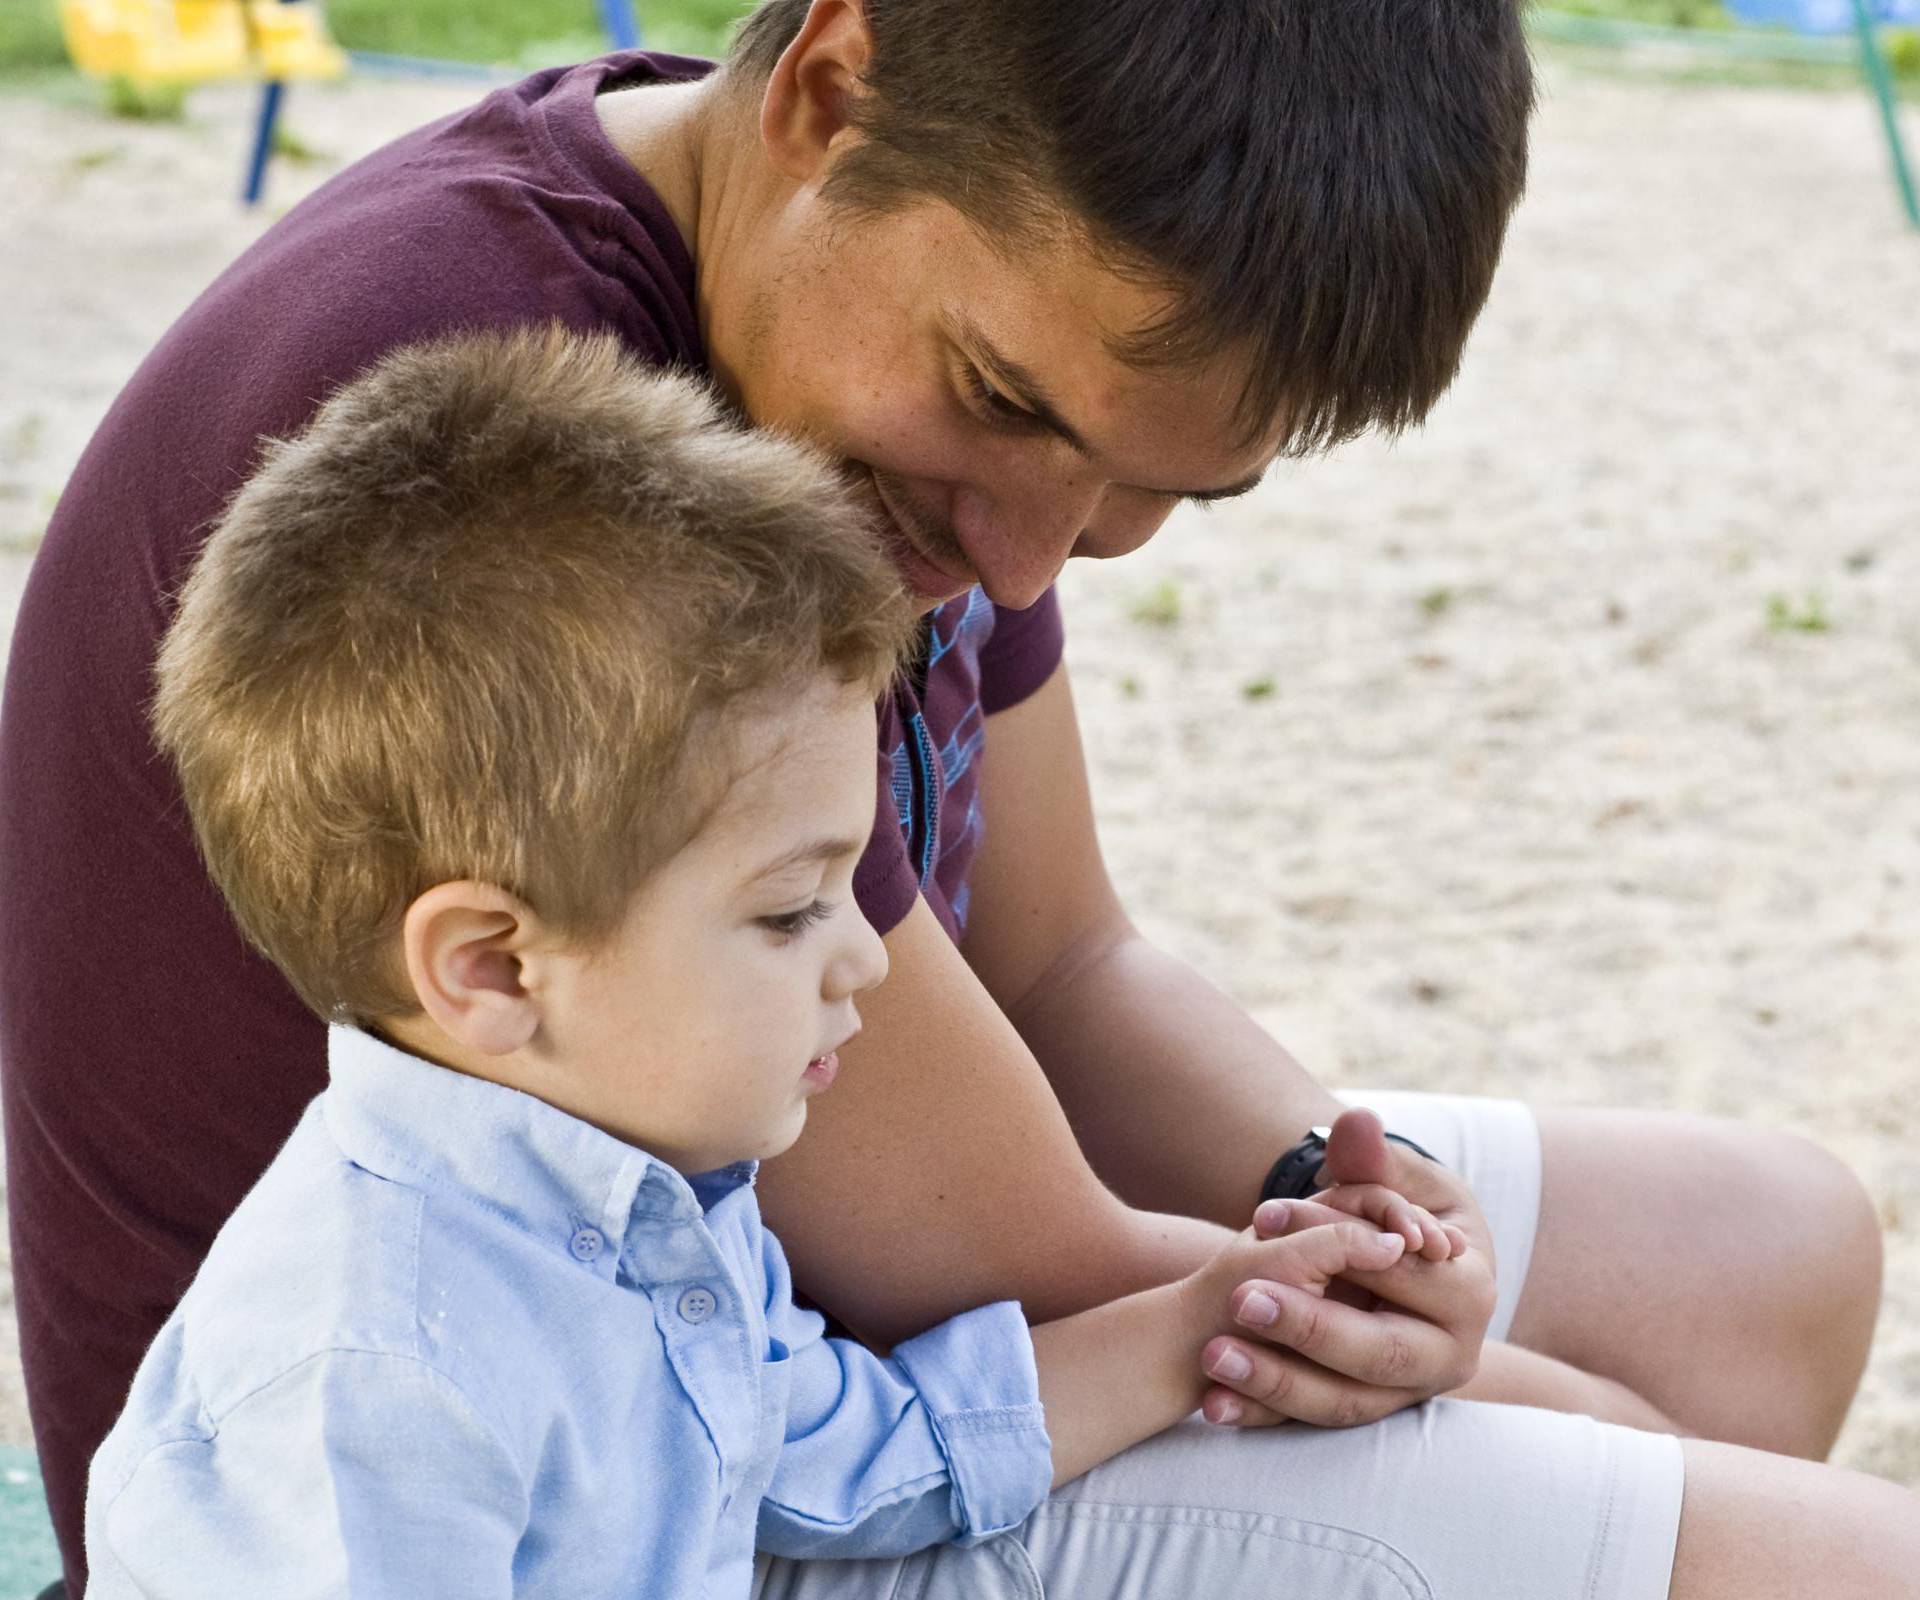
(1371, 1296)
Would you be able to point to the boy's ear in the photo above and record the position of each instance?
(806, 103)
(464, 944)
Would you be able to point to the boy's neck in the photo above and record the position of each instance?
(420, 1036)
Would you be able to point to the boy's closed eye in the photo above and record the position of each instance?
(788, 924)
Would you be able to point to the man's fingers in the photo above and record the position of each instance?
(1284, 1385)
(1357, 1150)
(1221, 1405)
(1380, 1347)
(1458, 1294)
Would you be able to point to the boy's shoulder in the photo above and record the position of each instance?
(324, 1256)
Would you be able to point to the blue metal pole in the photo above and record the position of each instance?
(269, 119)
(623, 28)
(1882, 81)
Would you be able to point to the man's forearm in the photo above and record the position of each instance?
(1511, 1375)
(1179, 1099)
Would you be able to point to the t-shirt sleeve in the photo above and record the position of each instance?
(1025, 648)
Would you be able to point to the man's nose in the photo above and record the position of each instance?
(1020, 543)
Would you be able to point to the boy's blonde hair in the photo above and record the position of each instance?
(468, 624)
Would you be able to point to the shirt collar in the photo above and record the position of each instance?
(413, 1122)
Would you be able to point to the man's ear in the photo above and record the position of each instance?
(809, 95)
(465, 945)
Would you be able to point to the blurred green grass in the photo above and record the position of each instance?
(531, 33)
(500, 32)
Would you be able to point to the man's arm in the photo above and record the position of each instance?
(940, 1173)
(1179, 1099)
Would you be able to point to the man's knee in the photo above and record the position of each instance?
(1829, 1227)
(1761, 1526)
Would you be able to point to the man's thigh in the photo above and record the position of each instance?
(1449, 1501)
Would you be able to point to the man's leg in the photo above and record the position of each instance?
(1765, 1527)
(1449, 1501)
(1729, 1275)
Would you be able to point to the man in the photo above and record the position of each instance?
(1036, 273)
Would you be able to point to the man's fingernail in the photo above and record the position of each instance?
(1258, 1309)
(1232, 1365)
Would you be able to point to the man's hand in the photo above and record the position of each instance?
(1374, 1339)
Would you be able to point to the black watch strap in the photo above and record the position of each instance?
(1297, 1173)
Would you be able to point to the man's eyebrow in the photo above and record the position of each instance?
(822, 849)
(1020, 381)
(1015, 377)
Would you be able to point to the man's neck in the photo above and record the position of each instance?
(698, 146)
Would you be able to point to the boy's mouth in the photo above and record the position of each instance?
(821, 1070)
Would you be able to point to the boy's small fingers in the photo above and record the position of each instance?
(1315, 1255)
(1271, 1218)
(1276, 1219)
(1437, 1243)
(1457, 1237)
(1404, 1220)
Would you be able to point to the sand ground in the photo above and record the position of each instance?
(1490, 761)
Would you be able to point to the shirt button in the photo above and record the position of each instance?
(586, 1244)
(696, 1305)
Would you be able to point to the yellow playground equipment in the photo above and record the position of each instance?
(155, 43)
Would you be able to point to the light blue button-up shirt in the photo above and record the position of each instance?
(458, 1343)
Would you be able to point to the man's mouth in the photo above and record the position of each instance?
(926, 575)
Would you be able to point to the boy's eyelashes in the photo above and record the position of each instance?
(789, 923)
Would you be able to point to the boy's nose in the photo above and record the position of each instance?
(864, 962)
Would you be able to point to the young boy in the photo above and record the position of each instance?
(523, 708)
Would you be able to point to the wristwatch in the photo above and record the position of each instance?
(1297, 1173)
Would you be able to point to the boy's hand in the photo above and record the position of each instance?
(1308, 1353)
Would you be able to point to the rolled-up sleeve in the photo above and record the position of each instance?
(976, 1378)
(943, 1441)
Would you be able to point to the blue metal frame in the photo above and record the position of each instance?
(617, 17)
(1875, 66)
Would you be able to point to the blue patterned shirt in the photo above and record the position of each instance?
(457, 1342)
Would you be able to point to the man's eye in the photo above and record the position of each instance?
(789, 923)
(998, 408)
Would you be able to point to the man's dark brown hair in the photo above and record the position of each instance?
(1322, 184)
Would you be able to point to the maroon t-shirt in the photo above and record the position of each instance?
(152, 1065)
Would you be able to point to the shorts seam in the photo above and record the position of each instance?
(1599, 1565)
(1215, 1516)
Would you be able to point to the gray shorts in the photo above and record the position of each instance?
(1451, 1500)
